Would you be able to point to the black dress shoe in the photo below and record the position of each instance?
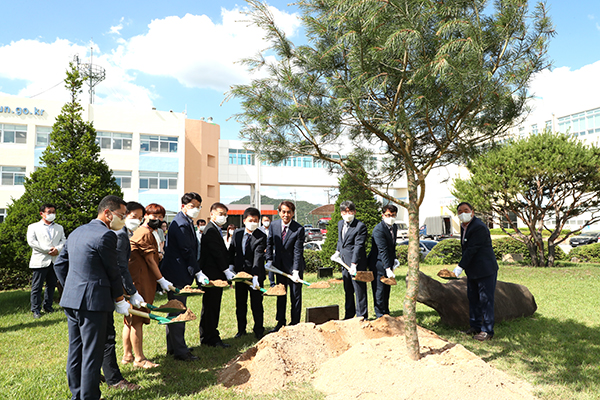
(240, 334)
(472, 331)
(276, 329)
(259, 335)
(48, 310)
(483, 336)
(37, 315)
(220, 343)
(186, 357)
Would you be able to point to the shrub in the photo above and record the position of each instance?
(445, 252)
(402, 254)
(509, 245)
(312, 260)
(587, 253)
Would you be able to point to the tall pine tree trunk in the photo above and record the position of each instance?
(412, 276)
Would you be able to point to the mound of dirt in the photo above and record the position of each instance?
(357, 359)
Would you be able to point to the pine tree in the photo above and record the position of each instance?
(72, 176)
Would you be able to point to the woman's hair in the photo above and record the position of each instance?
(156, 209)
(229, 227)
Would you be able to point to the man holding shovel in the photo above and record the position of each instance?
(352, 235)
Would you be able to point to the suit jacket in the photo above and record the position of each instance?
(87, 269)
(180, 262)
(41, 243)
(253, 262)
(123, 254)
(287, 255)
(478, 258)
(383, 247)
(264, 230)
(352, 246)
(214, 256)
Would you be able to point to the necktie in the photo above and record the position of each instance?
(344, 231)
(246, 244)
(283, 233)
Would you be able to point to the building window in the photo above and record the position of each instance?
(12, 176)
(158, 144)
(548, 125)
(241, 157)
(158, 180)
(534, 129)
(521, 131)
(123, 178)
(13, 133)
(114, 140)
(42, 136)
(2, 214)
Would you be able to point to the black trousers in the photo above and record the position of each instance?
(110, 367)
(354, 288)
(87, 333)
(176, 332)
(381, 295)
(242, 291)
(480, 293)
(41, 276)
(295, 291)
(209, 318)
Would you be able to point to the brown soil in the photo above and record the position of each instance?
(189, 289)
(277, 290)
(356, 359)
(320, 285)
(335, 281)
(445, 273)
(242, 275)
(176, 304)
(364, 276)
(218, 283)
(188, 315)
(389, 281)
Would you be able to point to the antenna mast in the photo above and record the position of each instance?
(94, 74)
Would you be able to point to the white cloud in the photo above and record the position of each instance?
(116, 29)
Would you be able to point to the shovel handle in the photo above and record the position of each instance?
(276, 271)
(343, 264)
(249, 284)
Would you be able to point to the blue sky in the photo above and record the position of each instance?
(179, 55)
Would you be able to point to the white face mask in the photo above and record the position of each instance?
(116, 224)
(251, 226)
(50, 217)
(201, 228)
(193, 212)
(348, 218)
(266, 224)
(220, 220)
(231, 231)
(132, 224)
(465, 218)
(389, 220)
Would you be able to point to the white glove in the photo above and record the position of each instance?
(352, 269)
(228, 274)
(335, 255)
(164, 284)
(389, 273)
(457, 271)
(122, 307)
(231, 268)
(202, 279)
(296, 276)
(136, 300)
(255, 284)
(396, 264)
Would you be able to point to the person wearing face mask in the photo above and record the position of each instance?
(110, 367)
(479, 263)
(46, 239)
(382, 258)
(247, 254)
(180, 266)
(92, 288)
(352, 236)
(266, 222)
(200, 226)
(227, 238)
(214, 260)
(144, 270)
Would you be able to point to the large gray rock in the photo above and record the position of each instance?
(450, 300)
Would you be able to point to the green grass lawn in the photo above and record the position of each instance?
(557, 350)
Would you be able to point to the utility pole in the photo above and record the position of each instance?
(93, 74)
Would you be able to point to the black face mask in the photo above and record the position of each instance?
(154, 223)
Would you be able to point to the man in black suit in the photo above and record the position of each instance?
(479, 263)
(180, 265)
(285, 251)
(352, 236)
(247, 254)
(266, 222)
(382, 258)
(87, 269)
(214, 260)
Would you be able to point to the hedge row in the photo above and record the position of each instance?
(589, 253)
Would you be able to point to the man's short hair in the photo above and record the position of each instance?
(111, 203)
(200, 221)
(46, 205)
(155, 209)
(288, 204)
(188, 197)
(218, 205)
(347, 206)
(134, 205)
(393, 209)
(463, 203)
(267, 217)
(251, 212)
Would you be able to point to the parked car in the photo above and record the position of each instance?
(584, 238)
(313, 234)
(308, 225)
(425, 245)
(317, 246)
(402, 230)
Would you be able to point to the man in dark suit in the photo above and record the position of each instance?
(247, 254)
(266, 222)
(180, 265)
(352, 236)
(214, 260)
(285, 251)
(110, 367)
(479, 263)
(87, 269)
(382, 257)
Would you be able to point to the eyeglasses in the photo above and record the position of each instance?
(122, 216)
